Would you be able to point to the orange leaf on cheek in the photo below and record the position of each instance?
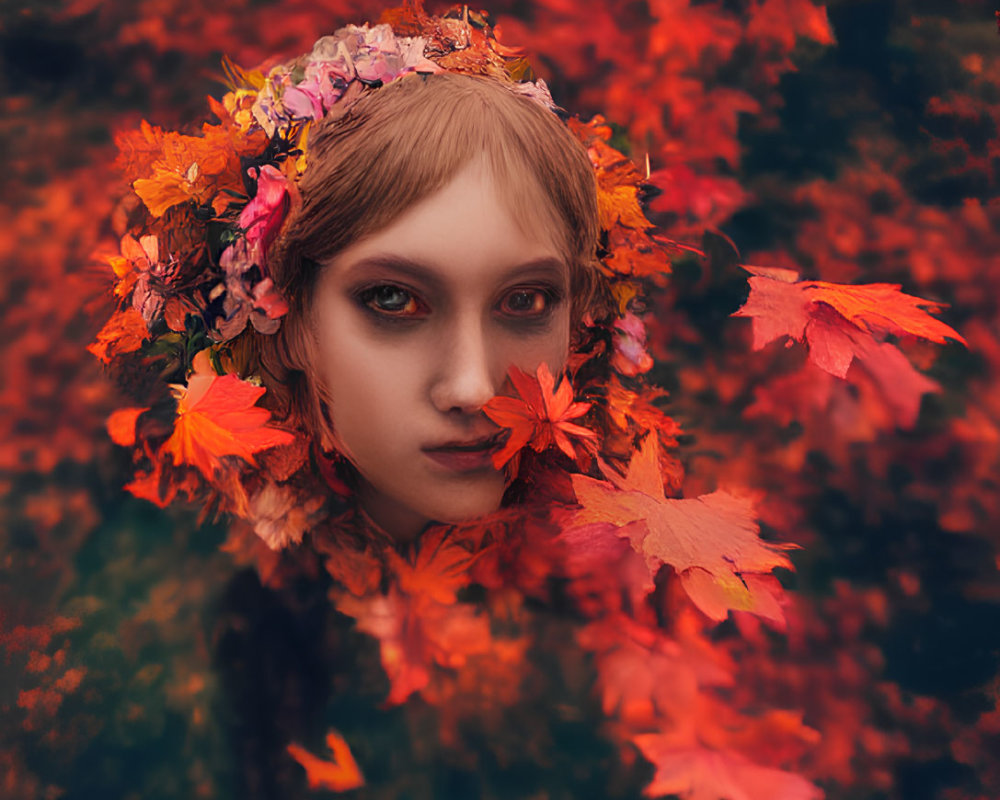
(216, 417)
(539, 417)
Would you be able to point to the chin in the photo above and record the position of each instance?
(468, 504)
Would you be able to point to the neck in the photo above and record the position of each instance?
(402, 524)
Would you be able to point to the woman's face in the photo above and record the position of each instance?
(416, 327)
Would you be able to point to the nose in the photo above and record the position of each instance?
(465, 378)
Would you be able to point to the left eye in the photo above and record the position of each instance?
(525, 302)
(390, 300)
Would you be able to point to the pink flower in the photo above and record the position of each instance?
(268, 304)
(262, 217)
(303, 101)
(630, 356)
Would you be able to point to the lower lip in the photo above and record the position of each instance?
(463, 460)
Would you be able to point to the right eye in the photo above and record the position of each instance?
(390, 300)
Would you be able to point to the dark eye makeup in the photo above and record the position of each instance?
(391, 302)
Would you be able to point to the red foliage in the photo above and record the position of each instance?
(216, 417)
(540, 417)
(711, 541)
(681, 78)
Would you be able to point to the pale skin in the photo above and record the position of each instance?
(415, 328)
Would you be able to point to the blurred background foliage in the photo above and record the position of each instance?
(856, 142)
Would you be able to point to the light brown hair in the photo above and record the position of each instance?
(395, 146)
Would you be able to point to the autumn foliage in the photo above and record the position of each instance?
(830, 402)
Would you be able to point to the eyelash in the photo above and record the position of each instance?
(366, 298)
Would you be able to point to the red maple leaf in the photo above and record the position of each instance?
(540, 417)
(644, 676)
(832, 318)
(783, 21)
(216, 417)
(711, 541)
(412, 639)
(843, 325)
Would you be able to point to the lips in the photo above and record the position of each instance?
(472, 455)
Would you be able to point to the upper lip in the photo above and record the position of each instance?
(480, 443)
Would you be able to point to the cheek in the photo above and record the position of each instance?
(371, 390)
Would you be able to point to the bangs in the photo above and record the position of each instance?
(405, 141)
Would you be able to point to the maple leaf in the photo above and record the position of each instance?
(711, 541)
(358, 571)
(801, 309)
(710, 199)
(644, 675)
(137, 256)
(340, 774)
(843, 325)
(634, 252)
(699, 773)
(437, 569)
(782, 21)
(618, 180)
(540, 417)
(217, 416)
(413, 637)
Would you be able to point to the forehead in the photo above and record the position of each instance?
(474, 231)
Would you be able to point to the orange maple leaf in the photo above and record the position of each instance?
(711, 541)
(540, 418)
(438, 568)
(217, 416)
(644, 674)
(634, 252)
(618, 180)
(341, 774)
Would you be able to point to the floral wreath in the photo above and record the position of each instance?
(192, 280)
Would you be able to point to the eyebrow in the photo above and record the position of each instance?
(421, 272)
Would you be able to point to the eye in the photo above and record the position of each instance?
(390, 300)
(527, 302)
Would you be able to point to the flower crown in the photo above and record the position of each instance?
(192, 279)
